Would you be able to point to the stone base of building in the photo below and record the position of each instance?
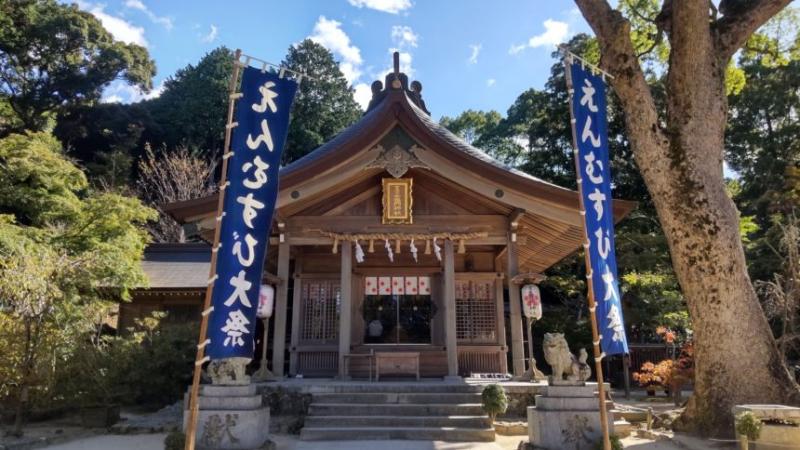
(230, 418)
(567, 417)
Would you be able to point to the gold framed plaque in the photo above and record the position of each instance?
(397, 201)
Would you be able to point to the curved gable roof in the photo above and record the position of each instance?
(399, 106)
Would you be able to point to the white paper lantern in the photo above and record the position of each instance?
(266, 300)
(532, 301)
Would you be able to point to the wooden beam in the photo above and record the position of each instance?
(488, 188)
(515, 308)
(345, 316)
(514, 217)
(297, 306)
(365, 224)
(450, 310)
(344, 206)
(279, 318)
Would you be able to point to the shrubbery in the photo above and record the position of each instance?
(149, 366)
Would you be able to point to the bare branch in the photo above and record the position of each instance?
(735, 27)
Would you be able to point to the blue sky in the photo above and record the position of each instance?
(467, 54)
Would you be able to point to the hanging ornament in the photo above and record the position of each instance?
(397, 246)
(427, 246)
(389, 250)
(371, 248)
(359, 253)
(335, 245)
(414, 250)
(437, 250)
(462, 247)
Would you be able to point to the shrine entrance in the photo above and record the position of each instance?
(398, 310)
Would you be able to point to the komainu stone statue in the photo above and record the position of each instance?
(564, 363)
(228, 371)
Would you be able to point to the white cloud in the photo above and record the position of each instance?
(166, 22)
(119, 28)
(388, 6)
(212, 34)
(330, 35)
(555, 32)
(404, 36)
(476, 50)
(362, 94)
(121, 92)
(490, 82)
(516, 48)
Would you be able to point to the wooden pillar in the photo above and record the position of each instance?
(346, 289)
(450, 310)
(279, 339)
(515, 307)
(297, 307)
(501, 321)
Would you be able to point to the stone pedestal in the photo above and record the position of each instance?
(230, 418)
(567, 417)
(780, 431)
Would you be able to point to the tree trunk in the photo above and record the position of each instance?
(680, 158)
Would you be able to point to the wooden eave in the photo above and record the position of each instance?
(549, 226)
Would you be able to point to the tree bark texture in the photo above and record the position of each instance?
(680, 158)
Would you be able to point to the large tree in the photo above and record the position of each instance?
(65, 252)
(324, 105)
(192, 110)
(55, 56)
(680, 157)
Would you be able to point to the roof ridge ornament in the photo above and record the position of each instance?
(396, 80)
(396, 160)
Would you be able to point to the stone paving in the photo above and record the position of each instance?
(285, 442)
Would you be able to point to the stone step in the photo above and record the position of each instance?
(452, 434)
(622, 428)
(397, 421)
(630, 415)
(398, 397)
(395, 409)
(393, 387)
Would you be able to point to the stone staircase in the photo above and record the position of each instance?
(411, 411)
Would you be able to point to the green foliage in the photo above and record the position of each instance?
(616, 443)
(748, 424)
(37, 184)
(149, 365)
(535, 137)
(192, 110)
(65, 253)
(648, 40)
(175, 441)
(776, 42)
(494, 400)
(106, 139)
(54, 56)
(322, 108)
(159, 352)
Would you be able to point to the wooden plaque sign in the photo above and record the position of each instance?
(397, 201)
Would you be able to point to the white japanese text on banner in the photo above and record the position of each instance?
(262, 122)
(589, 111)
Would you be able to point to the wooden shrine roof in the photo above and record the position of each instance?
(549, 223)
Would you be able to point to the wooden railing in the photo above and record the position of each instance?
(481, 359)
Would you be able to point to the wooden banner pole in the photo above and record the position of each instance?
(191, 426)
(598, 356)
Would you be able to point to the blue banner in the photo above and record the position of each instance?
(594, 178)
(262, 118)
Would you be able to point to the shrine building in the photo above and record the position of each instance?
(395, 236)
